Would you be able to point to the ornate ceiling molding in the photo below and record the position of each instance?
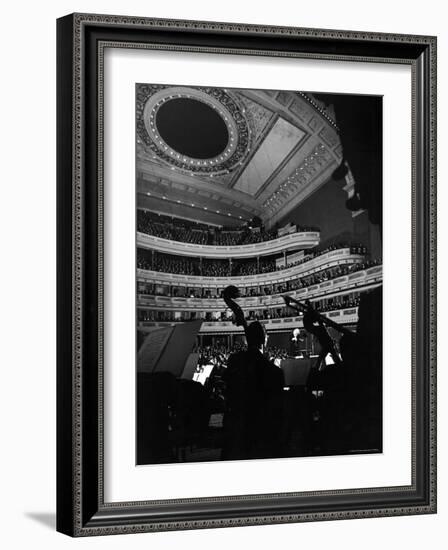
(314, 163)
(249, 116)
(151, 97)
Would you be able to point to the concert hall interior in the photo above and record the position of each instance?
(277, 195)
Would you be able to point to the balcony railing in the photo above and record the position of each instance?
(365, 279)
(293, 241)
(329, 259)
(343, 316)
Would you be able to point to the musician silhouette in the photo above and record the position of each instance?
(253, 418)
(313, 323)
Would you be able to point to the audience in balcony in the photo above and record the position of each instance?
(151, 289)
(358, 249)
(166, 264)
(206, 267)
(322, 305)
(167, 228)
(222, 268)
(215, 268)
(176, 229)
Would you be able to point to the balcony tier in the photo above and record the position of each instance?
(346, 316)
(324, 261)
(294, 241)
(360, 280)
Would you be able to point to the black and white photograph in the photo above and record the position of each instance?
(221, 293)
(259, 329)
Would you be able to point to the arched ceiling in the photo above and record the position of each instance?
(222, 156)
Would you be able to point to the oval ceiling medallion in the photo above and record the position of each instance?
(193, 129)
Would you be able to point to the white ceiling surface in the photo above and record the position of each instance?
(280, 141)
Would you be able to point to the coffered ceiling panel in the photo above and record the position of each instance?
(277, 145)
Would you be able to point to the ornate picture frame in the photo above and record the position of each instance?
(81, 43)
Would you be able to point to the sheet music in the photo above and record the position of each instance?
(152, 349)
(167, 349)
